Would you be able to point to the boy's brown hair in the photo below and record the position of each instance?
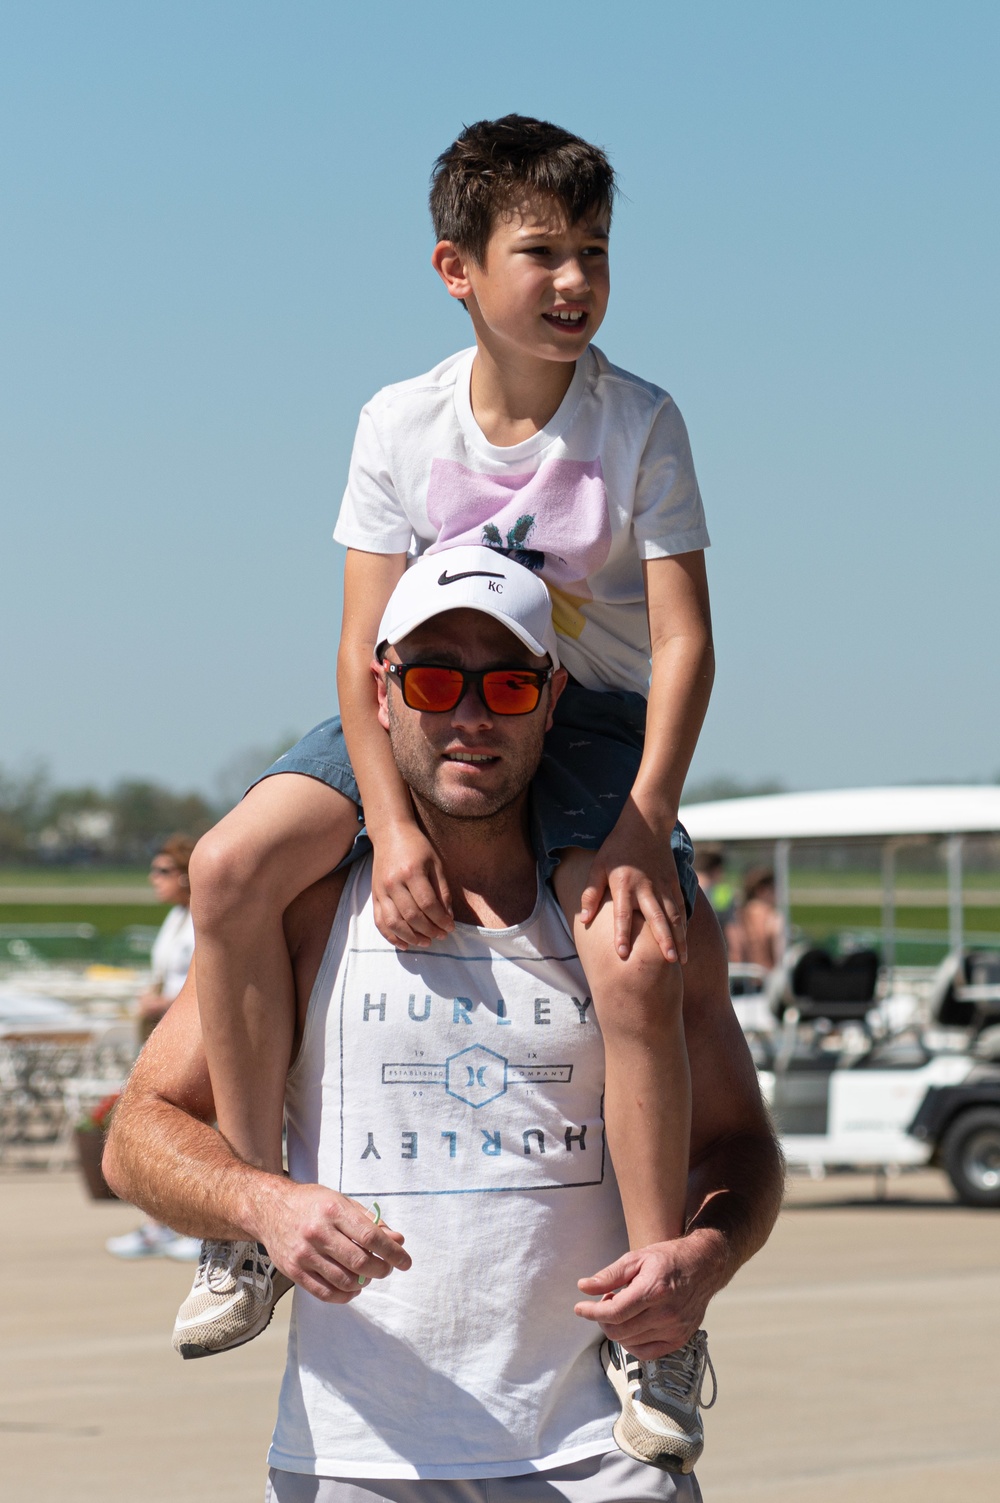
(493, 162)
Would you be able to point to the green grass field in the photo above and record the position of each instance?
(115, 925)
(73, 876)
(121, 933)
(114, 942)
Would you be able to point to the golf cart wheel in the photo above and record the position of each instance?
(971, 1155)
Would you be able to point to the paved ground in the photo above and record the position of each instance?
(857, 1357)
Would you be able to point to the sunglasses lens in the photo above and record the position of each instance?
(433, 689)
(511, 693)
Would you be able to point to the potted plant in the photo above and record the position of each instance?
(89, 1134)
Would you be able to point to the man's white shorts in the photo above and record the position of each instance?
(611, 1478)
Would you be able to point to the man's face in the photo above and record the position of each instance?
(468, 763)
(544, 284)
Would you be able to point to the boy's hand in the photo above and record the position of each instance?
(636, 864)
(412, 903)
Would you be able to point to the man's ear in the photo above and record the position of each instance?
(382, 684)
(451, 266)
(557, 684)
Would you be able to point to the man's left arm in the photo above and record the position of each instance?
(654, 1299)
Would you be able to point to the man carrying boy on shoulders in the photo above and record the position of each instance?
(461, 1089)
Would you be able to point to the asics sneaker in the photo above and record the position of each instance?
(660, 1422)
(232, 1299)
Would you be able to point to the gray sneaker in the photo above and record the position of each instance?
(660, 1423)
(232, 1299)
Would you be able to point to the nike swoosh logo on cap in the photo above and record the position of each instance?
(447, 578)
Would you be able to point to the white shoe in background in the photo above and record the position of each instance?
(147, 1241)
(184, 1249)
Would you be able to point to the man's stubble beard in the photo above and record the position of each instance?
(418, 762)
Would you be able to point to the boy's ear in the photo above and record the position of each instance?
(450, 264)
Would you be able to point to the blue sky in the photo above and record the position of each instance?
(215, 247)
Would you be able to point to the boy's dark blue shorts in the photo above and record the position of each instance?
(589, 764)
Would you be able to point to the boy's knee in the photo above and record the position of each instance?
(225, 877)
(645, 989)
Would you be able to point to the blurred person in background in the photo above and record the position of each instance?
(173, 947)
(173, 951)
(756, 933)
(710, 869)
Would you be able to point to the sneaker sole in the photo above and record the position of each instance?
(192, 1349)
(663, 1462)
(636, 1442)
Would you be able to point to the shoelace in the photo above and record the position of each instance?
(682, 1373)
(222, 1261)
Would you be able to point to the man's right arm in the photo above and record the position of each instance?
(165, 1156)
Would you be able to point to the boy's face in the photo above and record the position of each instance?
(543, 287)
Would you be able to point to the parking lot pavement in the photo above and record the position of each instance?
(95, 1407)
(856, 1357)
(857, 1352)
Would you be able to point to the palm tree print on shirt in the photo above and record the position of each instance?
(517, 536)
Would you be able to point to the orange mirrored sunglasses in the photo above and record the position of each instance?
(435, 689)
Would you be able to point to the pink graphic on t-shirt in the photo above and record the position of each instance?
(553, 519)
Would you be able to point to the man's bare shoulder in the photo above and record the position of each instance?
(308, 921)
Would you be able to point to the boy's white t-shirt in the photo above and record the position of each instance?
(607, 483)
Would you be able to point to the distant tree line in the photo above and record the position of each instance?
(42, 824)
(710, 789)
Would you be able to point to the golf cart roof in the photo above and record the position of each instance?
(847, 813)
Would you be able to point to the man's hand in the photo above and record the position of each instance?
(412, 903)
(637, 865)
(323, 1241)
(654, 1300)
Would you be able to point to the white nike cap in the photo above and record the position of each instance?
(472, 579)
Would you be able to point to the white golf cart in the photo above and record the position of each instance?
(868, 1066)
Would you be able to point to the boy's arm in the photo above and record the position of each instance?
(653, 1299)
(412, 902)
(635, 861)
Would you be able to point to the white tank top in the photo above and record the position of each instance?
(462, 1088)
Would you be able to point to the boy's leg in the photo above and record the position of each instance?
(647, 1102)
(647, 1112)
(288, 832)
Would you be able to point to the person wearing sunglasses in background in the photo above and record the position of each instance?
(453, 1095)
(173, 947)
(173, 951)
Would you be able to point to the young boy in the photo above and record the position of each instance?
(533, 444)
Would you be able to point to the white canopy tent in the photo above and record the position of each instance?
(892, 815)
